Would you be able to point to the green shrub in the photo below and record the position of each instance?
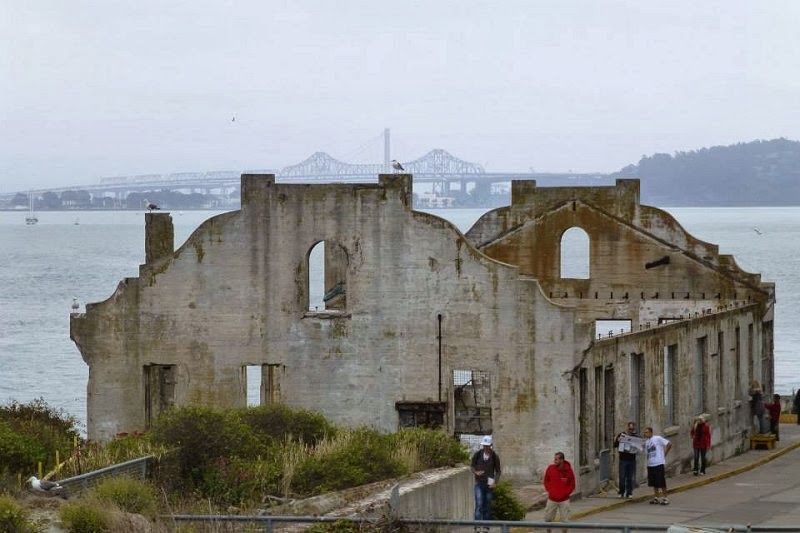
(130, 495)
(280, 422)
(200, 435)
(31, 433)
(19, 453)
(14, 518)
(435, 448)
(240, 481)
(85, 517)
(352, 458)
(506, 505)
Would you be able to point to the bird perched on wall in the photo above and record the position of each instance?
(396, 165)
(43, 485)
(151, 206)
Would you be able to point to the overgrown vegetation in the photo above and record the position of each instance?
(85, 516)
(31, 433)
(130, 495)
(238, 457)
(14, 518)
(506, 505)
(210, 459)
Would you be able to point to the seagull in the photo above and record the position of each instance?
(151, 206)
(233, 119)
(396, 165)
(757, 230)
(42, 485)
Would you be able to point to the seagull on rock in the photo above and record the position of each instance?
(396, 165)
(42, 485)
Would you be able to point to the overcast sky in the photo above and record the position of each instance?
(105, 88)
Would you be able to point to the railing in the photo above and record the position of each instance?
(135, 468)
(269, 523)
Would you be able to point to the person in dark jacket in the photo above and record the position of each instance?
(559, 482)
(757, 406)
(774, 410)
(796, 405)
(701, 442)
(627, 461)
(486, 468)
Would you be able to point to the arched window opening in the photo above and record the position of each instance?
(575, 254)
(327, 275)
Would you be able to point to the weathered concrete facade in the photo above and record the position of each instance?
(425, 325)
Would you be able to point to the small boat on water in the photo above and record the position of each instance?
(31, 219)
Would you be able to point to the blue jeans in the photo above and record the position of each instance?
(483, 502)
(627, 472)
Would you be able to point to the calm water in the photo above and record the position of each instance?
(44, 267)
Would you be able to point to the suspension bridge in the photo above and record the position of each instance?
(438, 167)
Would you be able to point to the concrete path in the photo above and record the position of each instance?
(758, 487)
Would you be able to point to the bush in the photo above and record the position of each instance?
(130, 495)
(200, 435)
(280, 422)
(19, 453)
(240, 481)
(14, 518)
(32, 432)
(350, 459)
(434, 448)
(85, 517)
(506, 505)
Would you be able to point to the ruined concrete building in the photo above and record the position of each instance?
(477, 333)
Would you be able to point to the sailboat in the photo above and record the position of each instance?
(31, 218)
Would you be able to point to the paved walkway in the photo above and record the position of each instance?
(766, 495)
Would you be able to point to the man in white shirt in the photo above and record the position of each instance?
(657, 448)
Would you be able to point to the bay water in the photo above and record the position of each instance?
(83, 256)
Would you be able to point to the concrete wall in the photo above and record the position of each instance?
(444, 494)
(673, 288)
(416, 300)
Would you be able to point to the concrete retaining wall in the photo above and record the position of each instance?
(443, 493)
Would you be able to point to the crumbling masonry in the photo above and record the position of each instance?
(423, 325)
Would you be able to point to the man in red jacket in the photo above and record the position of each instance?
(559, 482)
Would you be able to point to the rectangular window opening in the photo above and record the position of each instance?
(670, 384)
(253, 376)
(472, 404)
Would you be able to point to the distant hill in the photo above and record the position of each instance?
(758, 173)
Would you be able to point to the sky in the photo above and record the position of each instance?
(91, 89)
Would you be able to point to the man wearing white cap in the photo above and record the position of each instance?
(486, 467)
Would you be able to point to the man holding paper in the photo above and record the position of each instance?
(628, 444)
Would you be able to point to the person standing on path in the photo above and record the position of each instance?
(657, 449)
(486, 468)
(774, 410)
(627, 461)
(757, 406)
(701, 442)
(796, 406)
(559, 482)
